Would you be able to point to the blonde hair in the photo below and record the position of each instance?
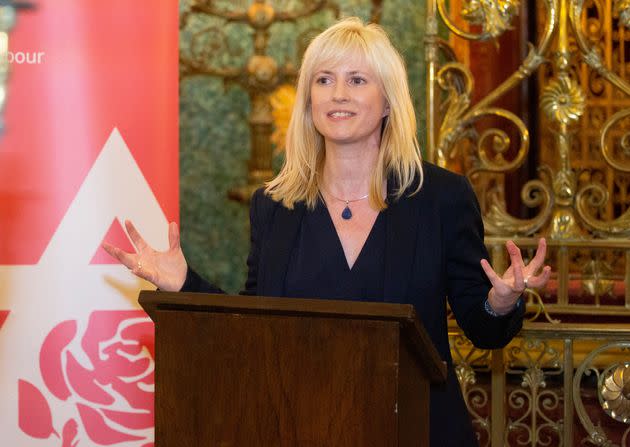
(399, 154)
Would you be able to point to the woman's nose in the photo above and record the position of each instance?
(340, 92)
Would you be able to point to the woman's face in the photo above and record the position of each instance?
(347, 103)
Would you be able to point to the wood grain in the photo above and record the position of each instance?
(268, 378)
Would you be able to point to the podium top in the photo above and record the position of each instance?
(403, 314)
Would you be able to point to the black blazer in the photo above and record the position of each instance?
(433, 247)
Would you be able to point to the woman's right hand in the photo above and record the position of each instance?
(166, 269)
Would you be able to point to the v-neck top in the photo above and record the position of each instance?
(318, 267)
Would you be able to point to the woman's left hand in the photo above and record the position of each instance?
(508, 288)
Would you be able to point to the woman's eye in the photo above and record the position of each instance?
(356, 80)
(322, 80)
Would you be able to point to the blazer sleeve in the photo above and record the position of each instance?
(195, 283)
(257, 223)
(468, 285)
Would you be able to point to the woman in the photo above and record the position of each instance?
(355, 214)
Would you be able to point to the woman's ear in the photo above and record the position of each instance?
(386, 110)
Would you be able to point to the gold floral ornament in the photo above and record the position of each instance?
(494, 16)
(614, 392)
(563, 101)
(622, 8)
(282, 101)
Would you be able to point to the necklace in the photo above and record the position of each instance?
(346, 214)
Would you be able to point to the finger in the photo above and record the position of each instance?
(515, 254)
(129, 260)
(490, 273)
(142, 272)
(137, 240)
(126, 259)
(517, 265)
(539, 258)
(540, 281)
(173, 236)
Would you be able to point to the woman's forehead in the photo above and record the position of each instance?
(346, 63)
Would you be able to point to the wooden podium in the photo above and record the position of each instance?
(235, 371)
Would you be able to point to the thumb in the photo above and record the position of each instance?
(490, 273)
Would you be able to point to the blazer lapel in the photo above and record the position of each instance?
(402, 231)
(276, 251)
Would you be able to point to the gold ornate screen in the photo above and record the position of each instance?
(580, 198)
(565, 380)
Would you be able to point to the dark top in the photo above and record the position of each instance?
(331, 278)
(433, 245)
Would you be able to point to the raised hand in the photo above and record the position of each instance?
(506, 289)
(166, 269)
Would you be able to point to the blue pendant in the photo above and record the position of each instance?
(346, 213)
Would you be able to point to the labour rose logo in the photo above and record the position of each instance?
(101, 383)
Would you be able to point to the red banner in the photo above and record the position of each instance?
(91, 139)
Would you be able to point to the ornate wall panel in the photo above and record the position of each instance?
(579, 199)
(558, 383)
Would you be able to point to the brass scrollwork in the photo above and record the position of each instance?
(456, 79)
(500, 141)
(535, 193)
(494, 17)
(596, 195)
(606, 391)
(534, 58)
(571, 207)
(608, 151)
(590, 55)
(534, 402)
(465, 357)
(622, 8)
(532, 353)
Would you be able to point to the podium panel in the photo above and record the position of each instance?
(240, 371)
